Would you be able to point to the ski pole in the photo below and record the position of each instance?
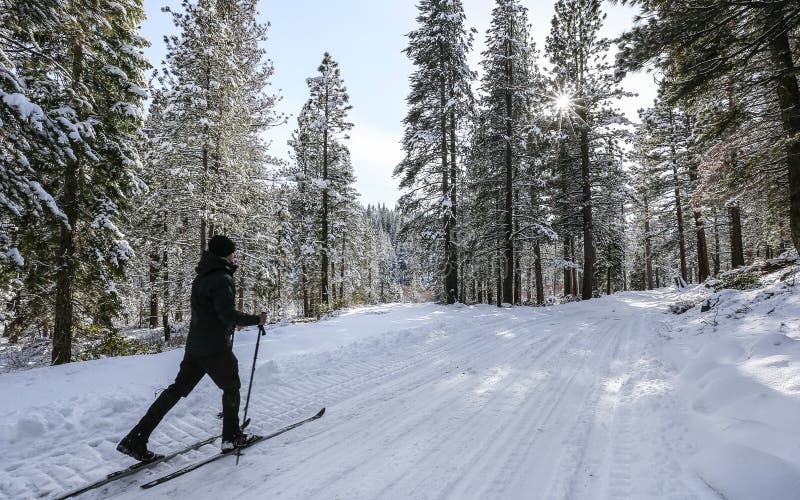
(261, 333)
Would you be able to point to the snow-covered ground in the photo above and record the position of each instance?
(611, 398)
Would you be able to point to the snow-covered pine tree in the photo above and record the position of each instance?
(207, 161)
(666, 151)
(320, 145)
(612, 179)
(31, 137)
(304, 205)
(78, 82)
(669, 149)
(439, 104)
(752, 60)
(507, 87)
(384, 267)
(154, 227)
(586, 88)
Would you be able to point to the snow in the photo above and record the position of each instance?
(113, 70)
(48, 200)
(27, 110)
(610, 398)
(13, 255)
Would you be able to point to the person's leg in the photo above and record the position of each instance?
(188, 376)
(224, 371)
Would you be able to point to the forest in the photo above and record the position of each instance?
(522, 181)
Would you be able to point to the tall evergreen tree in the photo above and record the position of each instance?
(79, 74)
(708, 48)
(507, 85)
(439, 102)
(585, 86)
(206, 157)
(328, 107)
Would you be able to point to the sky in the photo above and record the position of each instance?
(367, 38)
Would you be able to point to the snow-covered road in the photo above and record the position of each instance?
(423, 401)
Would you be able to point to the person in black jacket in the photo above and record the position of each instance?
(209, 350)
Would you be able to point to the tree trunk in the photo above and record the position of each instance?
(325, 299)
(517, 281)
(341, 273)
(789, 101)
(499, 282)
(452, 249)
(737, 253)
(716, 255)
(648, 257)
(529, 287)
(449, 281)
(333, 285)
(306, 304)
(508, 211)
(679, 213)
(567, 269)
(65, 275)
(589, 250)
(517, 259)
(537, 269)
(165, 296)
(574, 270)
(489, 283)
(153, 289)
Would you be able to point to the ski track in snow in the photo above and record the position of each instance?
(567, 402)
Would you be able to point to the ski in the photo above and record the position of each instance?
(235, 451)
(136, 468)
(113, 476)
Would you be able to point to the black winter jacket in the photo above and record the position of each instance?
(214, 315)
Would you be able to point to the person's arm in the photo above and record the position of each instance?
(224, 304)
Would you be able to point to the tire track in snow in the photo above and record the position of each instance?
(584, 456)
(549, 416)
(478, 413)
(408, 428)
(496, 432)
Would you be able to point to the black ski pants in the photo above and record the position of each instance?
(224, 371)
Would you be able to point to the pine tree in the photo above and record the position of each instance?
(506, 86)
(714, 47)
(305, 203)
(206, 158)
(666, 148)
(82, 70)
(586, 87)
(328, 106)
(439, 102)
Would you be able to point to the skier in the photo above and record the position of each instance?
(209, 350)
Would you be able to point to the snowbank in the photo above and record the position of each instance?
(739, 380)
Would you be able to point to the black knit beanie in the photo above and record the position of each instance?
(221, 246)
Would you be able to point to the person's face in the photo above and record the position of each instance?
(231, 258)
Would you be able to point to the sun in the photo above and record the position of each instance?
(563, 102)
